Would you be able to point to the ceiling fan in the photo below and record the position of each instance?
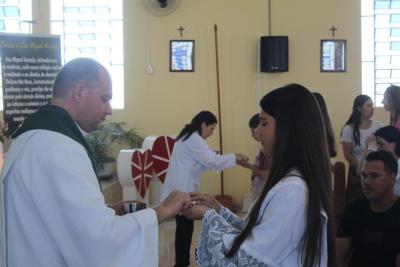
(160, 8)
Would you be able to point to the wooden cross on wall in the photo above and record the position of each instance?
(180, 29)
(333, 29)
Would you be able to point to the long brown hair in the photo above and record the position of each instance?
(330, 136)
(300, 142)
(393, 95)
(355, 117)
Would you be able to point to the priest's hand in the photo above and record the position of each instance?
(205, 200)
(118, 207)
(172, 205)
(196, 212)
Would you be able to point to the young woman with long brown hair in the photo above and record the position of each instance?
(291, 223)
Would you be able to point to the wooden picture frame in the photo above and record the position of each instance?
(181, 55)
(333, 55)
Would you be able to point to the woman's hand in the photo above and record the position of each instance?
(245, 163)
(241, 158)
(205, 200)
(371, 143)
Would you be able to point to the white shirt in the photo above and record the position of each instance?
(276, 238)
(189, 159)
(347, 136)
(55, 213)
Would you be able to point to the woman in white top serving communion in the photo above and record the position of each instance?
(190, 158)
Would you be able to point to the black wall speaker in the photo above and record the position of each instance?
(274, 54)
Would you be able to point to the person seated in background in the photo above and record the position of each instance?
(370, 226)
(260, 168)
(388, 139)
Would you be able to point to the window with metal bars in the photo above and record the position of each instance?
(380, 24)
(15, 17)
(92, 28)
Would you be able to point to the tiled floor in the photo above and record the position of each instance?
(166, 247)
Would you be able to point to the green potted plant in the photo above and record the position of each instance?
(101, 140)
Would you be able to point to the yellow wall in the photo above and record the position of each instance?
(163, 102)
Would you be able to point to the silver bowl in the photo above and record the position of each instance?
(134, 206)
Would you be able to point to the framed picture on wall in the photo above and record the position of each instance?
(181, 55)
(333, 56)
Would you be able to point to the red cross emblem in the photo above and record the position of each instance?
(162, 150)
(142, 170)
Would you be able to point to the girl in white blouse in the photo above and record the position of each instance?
(291, 222)
(354, 136)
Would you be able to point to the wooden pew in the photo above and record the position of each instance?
(339, 188)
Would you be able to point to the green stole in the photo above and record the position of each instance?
(56, 119)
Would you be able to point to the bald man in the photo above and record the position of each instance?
(54, 211)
